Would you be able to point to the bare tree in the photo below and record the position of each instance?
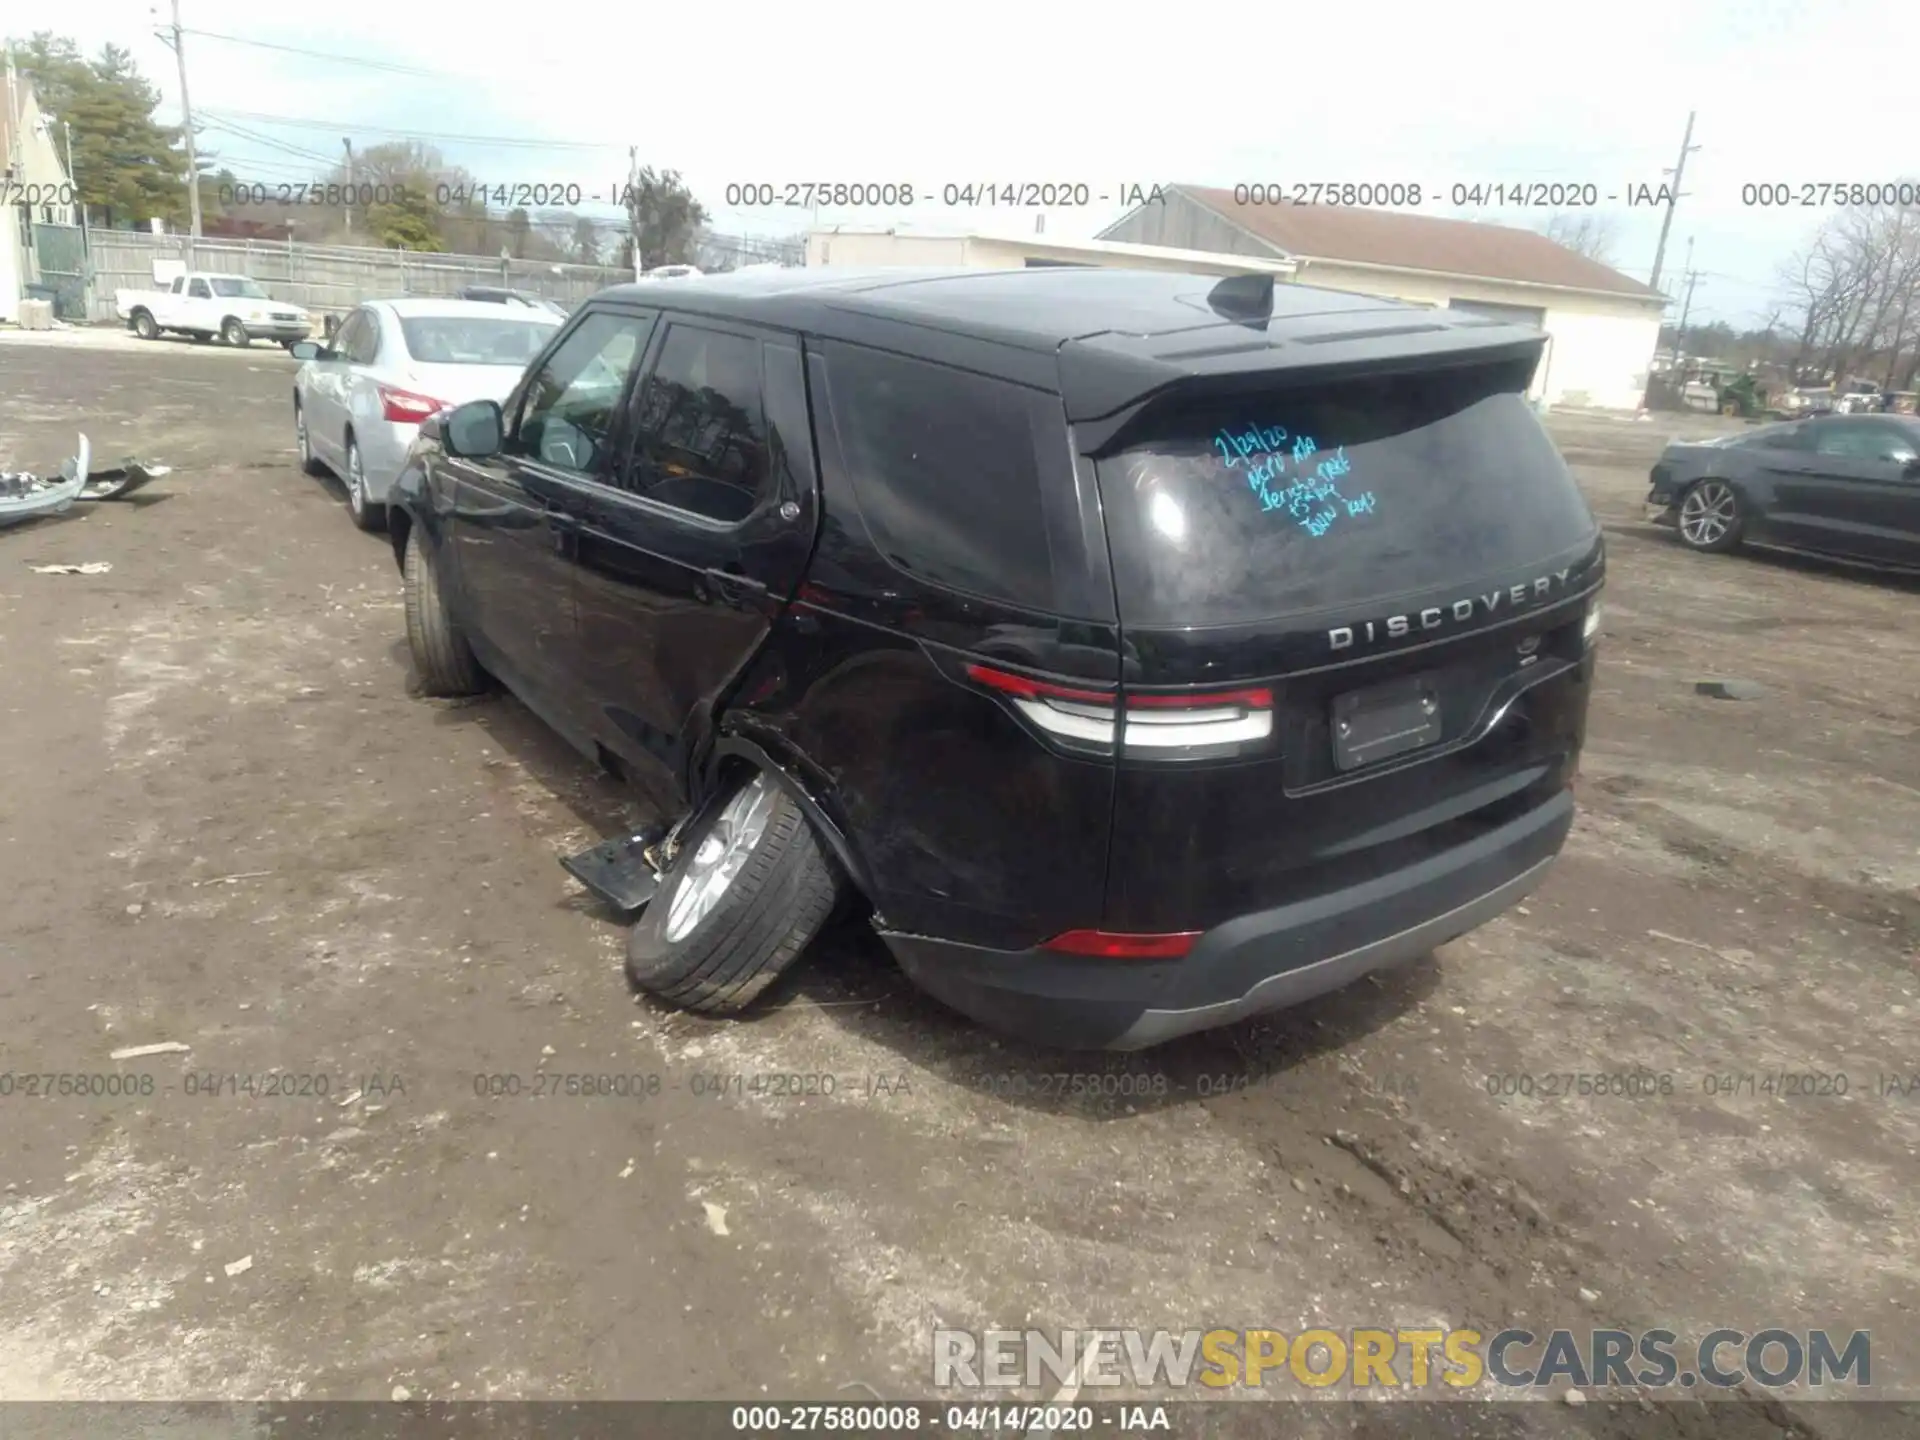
(1585, 232)
(1853, 296)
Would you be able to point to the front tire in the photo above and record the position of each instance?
(235, 334)
(440, 651)
(367, 515)
(746, 893)
(1712, 516)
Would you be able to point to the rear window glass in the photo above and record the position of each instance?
(943, 466)
(1297, 500)
(474, 340)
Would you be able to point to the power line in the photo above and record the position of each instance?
(382, 65)
(225, 127)
(517, 142)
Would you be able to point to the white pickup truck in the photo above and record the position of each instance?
(204, 305)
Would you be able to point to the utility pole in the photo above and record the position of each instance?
(86, 240)
(186, 122)
(349, 206)
(1687, 147)
(633, 208)
(1692, 277)
(73, 179)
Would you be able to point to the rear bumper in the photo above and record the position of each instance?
(384, 445)
(1260, 962)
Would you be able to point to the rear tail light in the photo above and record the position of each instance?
(1190, 725)
(1109, 945)
(406, 407)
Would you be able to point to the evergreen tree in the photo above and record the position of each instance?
(129, 167)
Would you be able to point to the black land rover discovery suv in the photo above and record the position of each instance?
(1146, 650)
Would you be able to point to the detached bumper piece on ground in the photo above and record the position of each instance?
(25, 496)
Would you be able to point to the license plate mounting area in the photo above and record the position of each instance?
(1383, 721)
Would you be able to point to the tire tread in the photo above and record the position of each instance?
(773, 910)
(440, 652)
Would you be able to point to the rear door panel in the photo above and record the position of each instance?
(678, 571)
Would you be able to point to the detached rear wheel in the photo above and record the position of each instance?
(746, 893)
(440, 651)
(1711, 516)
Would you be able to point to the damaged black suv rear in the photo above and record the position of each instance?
(1145, 650)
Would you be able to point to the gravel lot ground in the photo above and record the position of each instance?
(226, 823)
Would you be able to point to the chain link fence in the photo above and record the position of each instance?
(330, 279)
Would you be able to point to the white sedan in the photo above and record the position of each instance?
(358, 401)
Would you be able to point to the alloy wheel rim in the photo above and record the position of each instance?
(1707, 513)
(300, 434)
(356, 481)
(721, 856)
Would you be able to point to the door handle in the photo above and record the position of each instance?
(566, 532)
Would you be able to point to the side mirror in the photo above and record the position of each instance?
(474, 430)
(307, 350)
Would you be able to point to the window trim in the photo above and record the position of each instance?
(514, 410)
(344, 334)
(628, 431)
(1061, 523)
(378, 333)
(1865, 426)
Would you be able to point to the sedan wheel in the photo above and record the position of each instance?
(301, 443)
(1711, 517)
(366, 515)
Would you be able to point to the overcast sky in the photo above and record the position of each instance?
(1200, 92)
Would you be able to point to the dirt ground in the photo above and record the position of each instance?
(226, 823)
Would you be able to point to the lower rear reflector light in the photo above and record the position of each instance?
(1108, 945)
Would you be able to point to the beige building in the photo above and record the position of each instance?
(862, 247)
(30, 165)
(1602, 326)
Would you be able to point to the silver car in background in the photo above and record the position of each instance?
(358, 401)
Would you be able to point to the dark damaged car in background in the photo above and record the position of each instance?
(1846, 486)
(1141, 651)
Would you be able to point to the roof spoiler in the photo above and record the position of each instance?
(1245, 299)
(1106, 380)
